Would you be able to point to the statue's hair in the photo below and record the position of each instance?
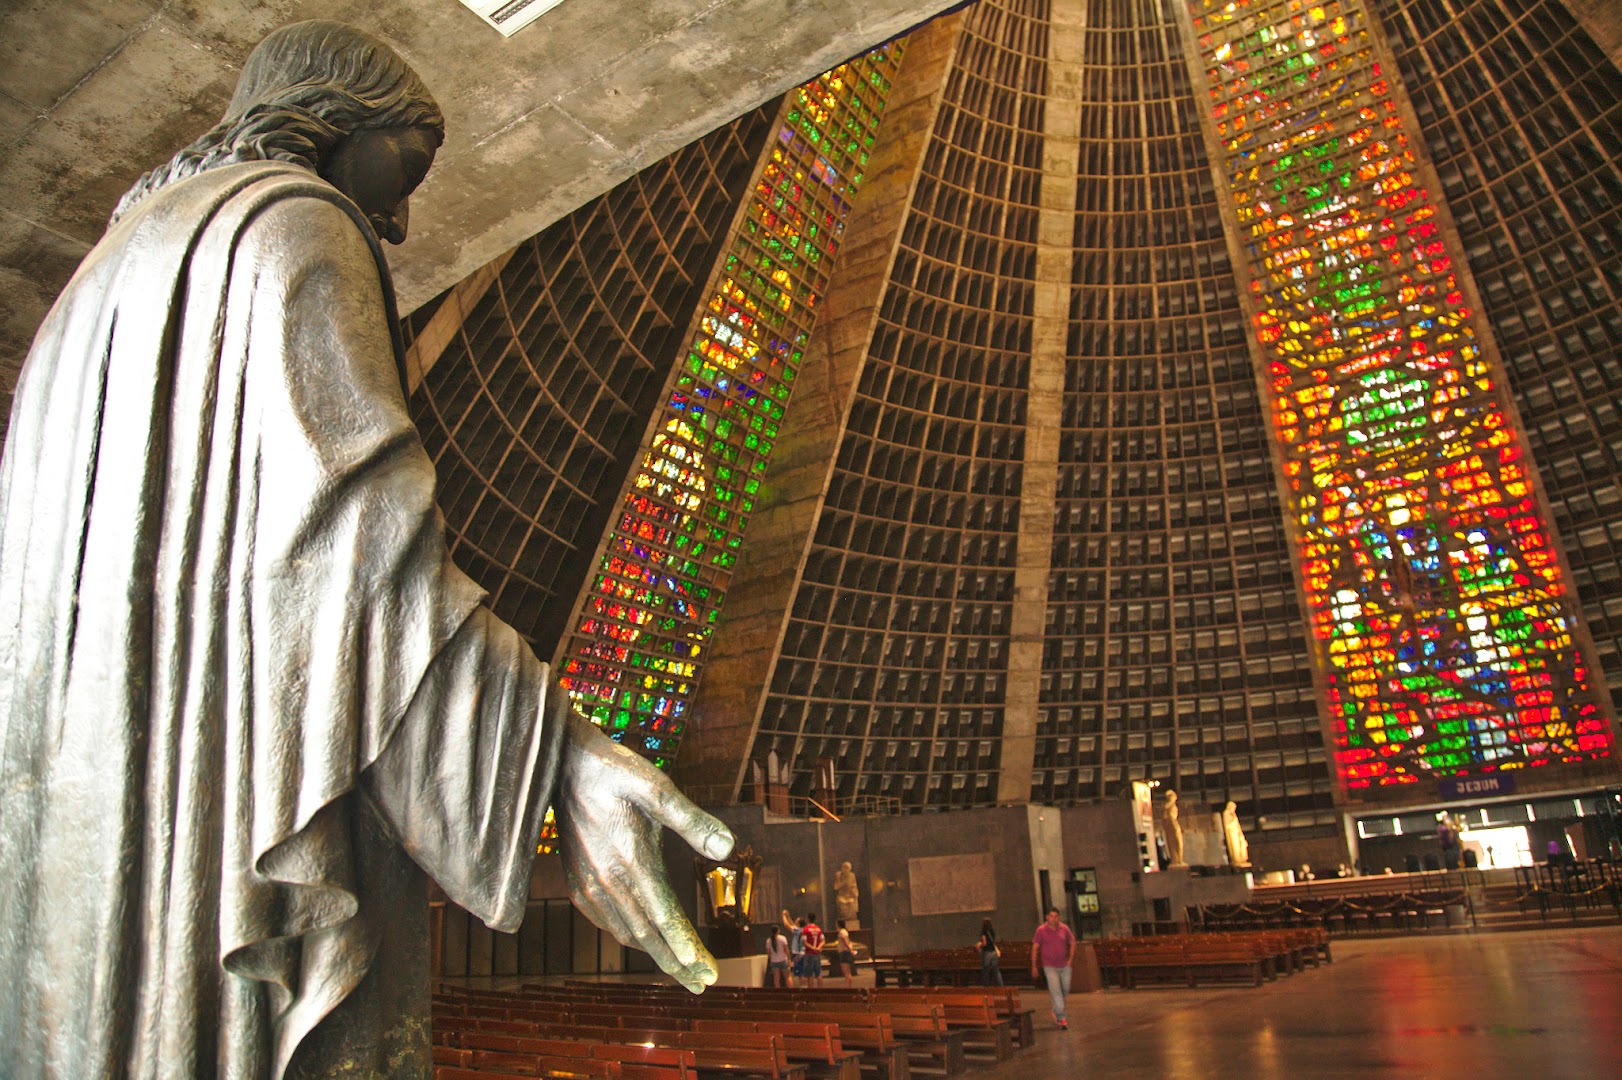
(303, 89)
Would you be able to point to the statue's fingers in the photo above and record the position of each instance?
(703, 831)
(595, 903)
(671, 921)
(679, 936)
(701, 967)
(652, 942)
(656, 925)
(642, 895)
(655, 898)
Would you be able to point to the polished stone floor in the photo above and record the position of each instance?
(1542, 1004)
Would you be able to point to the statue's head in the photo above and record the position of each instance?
(333, 99)
(347, 77)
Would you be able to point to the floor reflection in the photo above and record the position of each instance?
(1545, 1004)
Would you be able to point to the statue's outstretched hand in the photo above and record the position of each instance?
(609, 806)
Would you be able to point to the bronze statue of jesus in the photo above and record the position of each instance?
(246, 699)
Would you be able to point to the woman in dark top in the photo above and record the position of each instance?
(990, 970)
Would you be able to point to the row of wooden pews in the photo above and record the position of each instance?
(1401, 911)
(981, 1012)
(946, 967)
(943, 1026)
(558, 1046)
(655, 1032)
(1248, 956)
(495, 1057)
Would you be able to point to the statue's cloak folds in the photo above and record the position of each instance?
(239, 674)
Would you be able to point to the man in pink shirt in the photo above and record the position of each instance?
(1053, 947)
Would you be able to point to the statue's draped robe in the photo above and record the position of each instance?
(240, 679)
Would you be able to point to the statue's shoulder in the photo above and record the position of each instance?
(209, 214)
(285, 191)
(275, 215)
(203, 196)
(230, 198)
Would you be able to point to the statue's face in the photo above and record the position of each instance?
(379, 169)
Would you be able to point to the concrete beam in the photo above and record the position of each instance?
(95, 92)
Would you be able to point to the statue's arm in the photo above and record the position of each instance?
(460, 736)
(466, 779)
(485, 740)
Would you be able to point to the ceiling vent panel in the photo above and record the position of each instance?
(510, 16)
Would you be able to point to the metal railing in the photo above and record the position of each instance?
(869, 806)
(800, 806)
(803, 806)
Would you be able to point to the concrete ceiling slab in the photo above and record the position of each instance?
(46, 49)
(92, 94)
(15, 118)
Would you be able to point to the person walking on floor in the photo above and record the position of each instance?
(990, 956)
(1053, 947)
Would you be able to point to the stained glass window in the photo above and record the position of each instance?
(1445, 629)
(634, 656)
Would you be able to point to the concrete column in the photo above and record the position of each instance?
(1055, 250)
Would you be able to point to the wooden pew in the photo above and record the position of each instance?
(813, 1043)
(974, 1014)
(451, 1056)
(965, 1009)
(639, 1062)
(936, 967)
(454, 1072)
(889, 1042)
(736, 1054)
(867, 1036)
(921, 1028)
(862, 1032)
(1192, 958)
(1316, 938)
(583, 1067)
(1218, 960)
(636, 1062)
(870, 1033)
(818, 1045)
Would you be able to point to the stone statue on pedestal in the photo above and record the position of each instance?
(246, 699)
(847, 894)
